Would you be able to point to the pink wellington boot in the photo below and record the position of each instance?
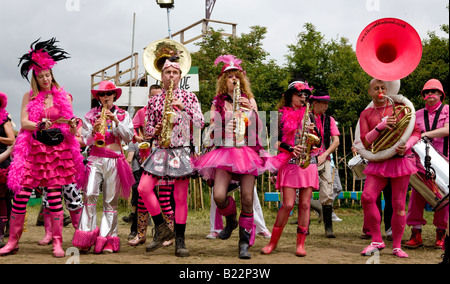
(15, 232)
(48, 228)
(75, 216)
(276, 234)
(301, 237)
(57, 227)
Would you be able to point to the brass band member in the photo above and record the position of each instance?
(397, 169)
(293, 175)
(433, 123)
(104, 129)
(172, 162)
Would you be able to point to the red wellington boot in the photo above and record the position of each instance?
(276, 234)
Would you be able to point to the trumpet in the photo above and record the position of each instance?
(389, 137)
(100, 135)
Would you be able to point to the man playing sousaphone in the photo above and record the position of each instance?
(178, 111)
(397, 169)
(104, 129)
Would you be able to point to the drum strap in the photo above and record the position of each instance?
(436, 119)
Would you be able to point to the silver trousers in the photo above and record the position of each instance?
(102, 177)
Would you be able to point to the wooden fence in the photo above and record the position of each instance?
(199, 191)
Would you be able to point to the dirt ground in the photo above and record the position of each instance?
(344, 249)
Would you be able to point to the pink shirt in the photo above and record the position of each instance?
(334, 131)
(139, 118)
(438, 143)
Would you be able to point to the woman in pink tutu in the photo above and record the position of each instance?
(291, 176)
(397, 169)
(41, 162)
(234, 159)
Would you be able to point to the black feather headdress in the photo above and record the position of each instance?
(42, 56)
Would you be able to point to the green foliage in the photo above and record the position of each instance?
(267, 78)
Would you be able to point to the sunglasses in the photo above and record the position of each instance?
(102, 94)
(429, 91)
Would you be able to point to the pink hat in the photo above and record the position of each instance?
(434, 84)
(3, 100)
(231, 63)
(105, 86)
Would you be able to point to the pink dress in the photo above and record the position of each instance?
(290, 174)
(49, 166)
(245, 160)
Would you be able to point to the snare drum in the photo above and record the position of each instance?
(435, 192)
(357, 164)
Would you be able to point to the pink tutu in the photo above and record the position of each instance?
(294, 176)
(242, 161)
(49, 166)
(393, 167)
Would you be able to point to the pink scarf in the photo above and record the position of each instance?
(126, 178)
(35, 109)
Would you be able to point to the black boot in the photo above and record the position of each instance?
(231, 224)
(327, 220)
(244, 240)
(446, 256)
(180, 247)
(162, 234)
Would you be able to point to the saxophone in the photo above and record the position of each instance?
(167, 120)
(100, 135)
(307, 140)
(239, 115)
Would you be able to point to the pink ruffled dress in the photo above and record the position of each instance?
(245, 160)
(49, 166)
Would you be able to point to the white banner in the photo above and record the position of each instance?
(139, 95)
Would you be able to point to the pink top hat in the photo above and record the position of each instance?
(106, 86)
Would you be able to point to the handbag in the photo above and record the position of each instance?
(52, 136)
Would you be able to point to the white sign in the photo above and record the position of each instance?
(139, 95)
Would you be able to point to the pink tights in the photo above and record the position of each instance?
(304, 201)
(180, 193)
(372, 218)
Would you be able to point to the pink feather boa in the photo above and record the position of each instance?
(290, 120)
(3, 116)
(22, 147)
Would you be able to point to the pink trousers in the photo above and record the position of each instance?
(416, 207)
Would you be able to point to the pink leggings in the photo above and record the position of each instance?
(372, 218)
(180, 194)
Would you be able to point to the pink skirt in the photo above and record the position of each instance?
(49, 166)
(241, 161)
(294, 176)
(393, 167)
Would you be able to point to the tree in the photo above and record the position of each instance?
(331, 66)
(267, 78)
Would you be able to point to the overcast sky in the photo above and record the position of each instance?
(97, 33)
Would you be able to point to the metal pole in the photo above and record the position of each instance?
(168, 22)
(131, 68)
